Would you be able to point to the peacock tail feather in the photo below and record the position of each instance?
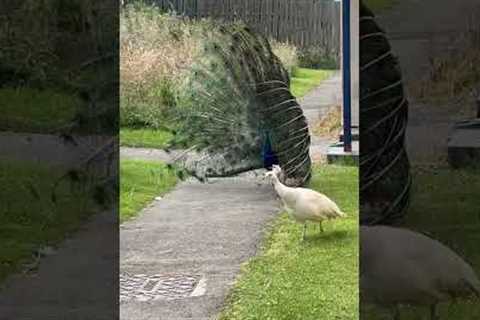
(385, 178)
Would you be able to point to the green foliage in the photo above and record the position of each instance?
(58, 46)
(157, 50)
(140, 183)
(145, 138)
(311, 280)
(148, 106)
(30, 216)
(32, 109)
(318, 58)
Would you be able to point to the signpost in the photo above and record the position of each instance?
(347, 76)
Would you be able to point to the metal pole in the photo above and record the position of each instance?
(347, 87)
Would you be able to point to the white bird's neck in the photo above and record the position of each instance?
(280, 188)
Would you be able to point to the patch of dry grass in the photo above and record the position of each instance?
(155, 46)
(451, 75)
(331, 124)
(156, 51)
(287, 53)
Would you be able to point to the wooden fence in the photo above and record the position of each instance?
(305, 23)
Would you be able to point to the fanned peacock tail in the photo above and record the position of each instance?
(235, 99)
(385, 171)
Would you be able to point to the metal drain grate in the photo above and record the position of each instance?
(142, 287)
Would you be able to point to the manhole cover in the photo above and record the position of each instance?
(142, 287)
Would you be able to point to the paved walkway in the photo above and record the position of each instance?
(316, 105)
(199, 235)
(74, 282)
(46, 149)
(147, 154)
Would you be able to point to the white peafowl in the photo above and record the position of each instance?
(304, 204)
(399, 266)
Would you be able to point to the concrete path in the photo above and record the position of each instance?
(74, 282)
(417, 30)
(46, 149)
(147, 154)
(316, 105)
(197, 236)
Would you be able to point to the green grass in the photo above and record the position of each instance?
(445, 203)
(29, 219)
(315, 279)
(140, 183)
(304, 80)
(380, 5)
(31, 110)
(146, 138)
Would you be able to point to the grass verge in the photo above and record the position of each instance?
(30, 110)
(29, 219)
(316, 279)
(147, 138)
(304, 80)
(445, 204)
(140, 183)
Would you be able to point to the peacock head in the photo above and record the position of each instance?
(276, 169)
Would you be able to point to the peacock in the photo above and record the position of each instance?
(304, 204)
(236, 110)
(399, 266)
(385, 177)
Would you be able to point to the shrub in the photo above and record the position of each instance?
(318, 58)
(156, 50)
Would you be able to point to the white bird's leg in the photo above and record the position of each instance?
(433, 312)
(304, 230)
(321, 227)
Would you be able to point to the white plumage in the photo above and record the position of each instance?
(304, 204)
(399, 266)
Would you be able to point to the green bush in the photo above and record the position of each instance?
(318, 58)
(31, 109)
(147, 107)
(156, 51)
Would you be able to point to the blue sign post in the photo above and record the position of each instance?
(347, 87)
